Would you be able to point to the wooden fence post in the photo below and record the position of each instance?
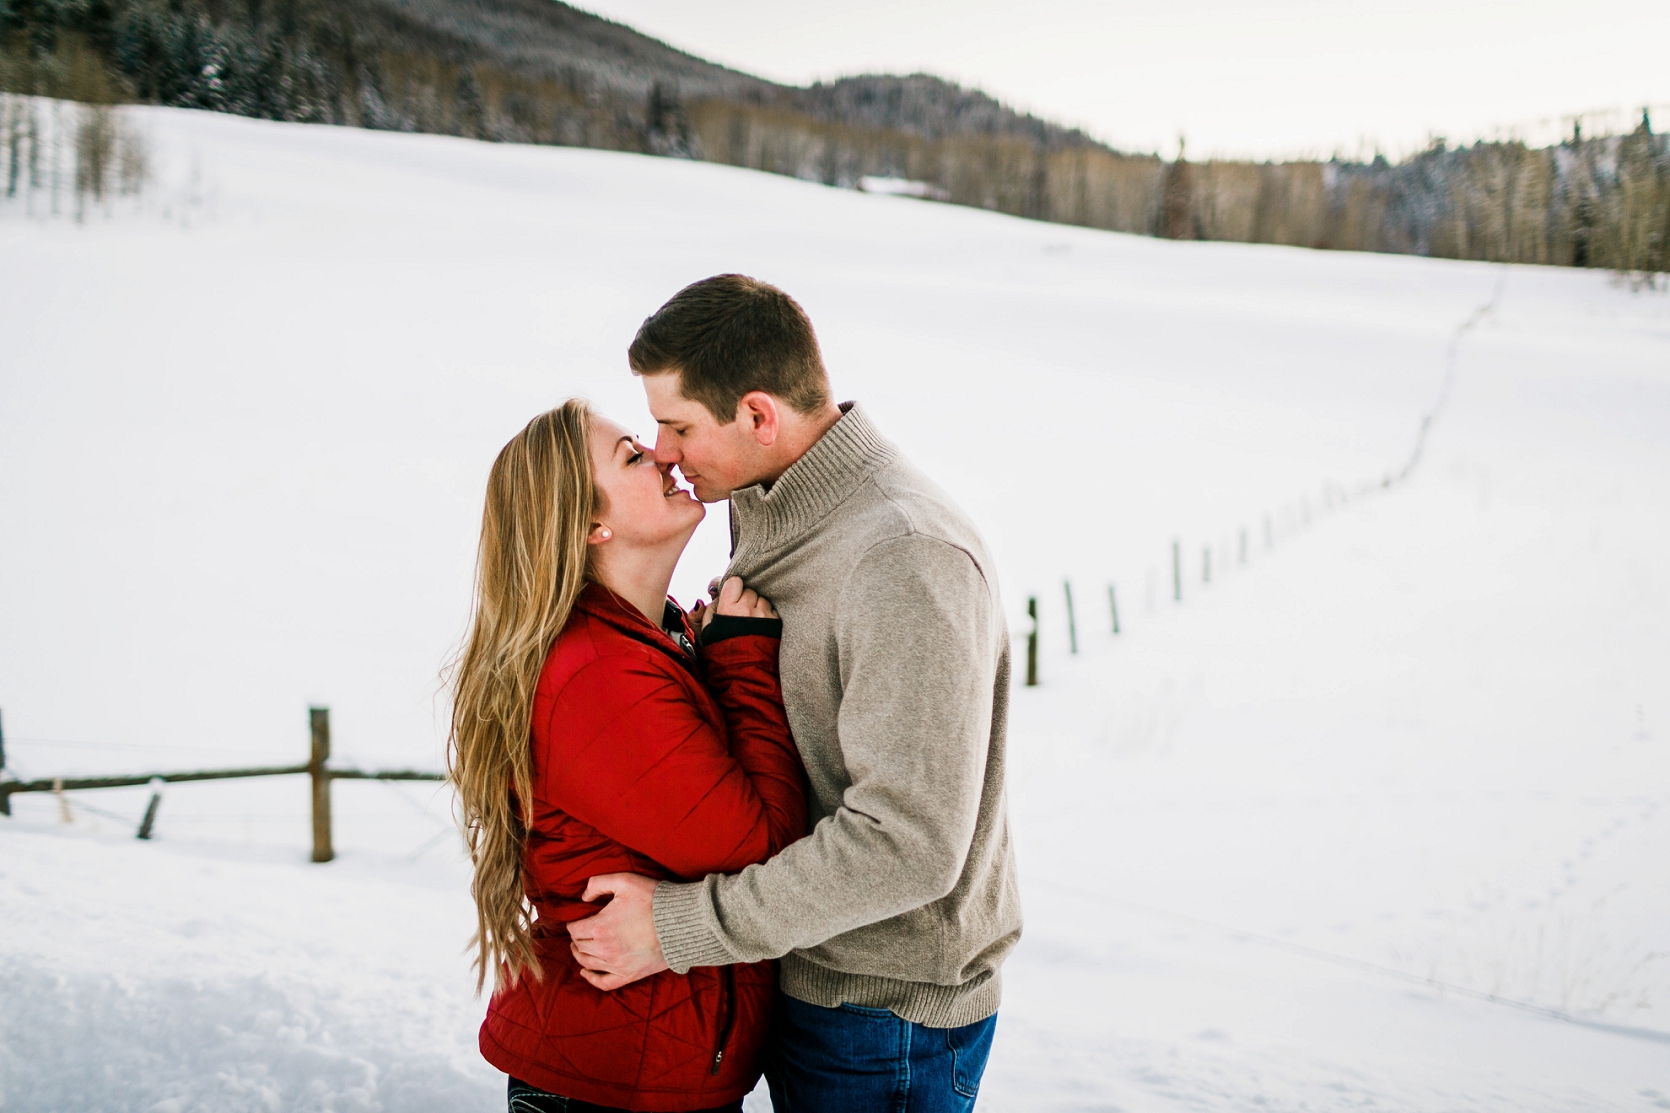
(1072, 621)
(1177, 571)
(1113, 608)
(150, 819)
(5, 797)
(319, 720)
(1032, 643)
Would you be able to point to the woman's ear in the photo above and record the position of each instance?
(599, 533)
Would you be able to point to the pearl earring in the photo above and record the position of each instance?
(606, 534)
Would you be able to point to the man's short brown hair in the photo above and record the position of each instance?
(729, 335)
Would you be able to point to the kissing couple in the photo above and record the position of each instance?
(765, 835)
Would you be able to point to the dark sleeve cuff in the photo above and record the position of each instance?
(722, 626)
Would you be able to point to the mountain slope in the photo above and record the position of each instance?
(548, 39)
(538, 71)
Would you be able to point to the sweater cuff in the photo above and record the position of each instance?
(683, 925)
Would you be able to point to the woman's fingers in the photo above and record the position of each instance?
(730, 592)
(757, 606)
(736, 598)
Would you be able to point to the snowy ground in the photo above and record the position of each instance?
(1276, 841)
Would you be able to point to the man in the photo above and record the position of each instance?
(894, 915)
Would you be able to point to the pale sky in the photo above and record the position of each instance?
(1240, 77)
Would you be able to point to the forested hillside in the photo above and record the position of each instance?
(538, 71)
(516, 70)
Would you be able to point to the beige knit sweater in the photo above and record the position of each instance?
(895, 666)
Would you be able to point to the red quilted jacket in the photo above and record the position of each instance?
(646, 761)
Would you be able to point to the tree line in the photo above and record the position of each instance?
(537, 71)
(1586, 202)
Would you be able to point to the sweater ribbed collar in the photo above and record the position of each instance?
(849, 453)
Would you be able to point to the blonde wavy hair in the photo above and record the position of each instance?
(531, 566)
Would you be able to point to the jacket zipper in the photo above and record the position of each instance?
(727, 1013)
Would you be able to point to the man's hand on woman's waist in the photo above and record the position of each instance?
(618, 946)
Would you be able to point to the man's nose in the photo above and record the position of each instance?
(666, 449)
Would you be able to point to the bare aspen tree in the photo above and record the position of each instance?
(132, 162)
(14, 144)
(34, 124)
(57, 151)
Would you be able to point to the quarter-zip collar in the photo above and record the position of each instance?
(849, 453)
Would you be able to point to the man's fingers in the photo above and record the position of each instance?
(597, 973)
(589, 959)
(604, 981)
(604, 884)
(596, 970)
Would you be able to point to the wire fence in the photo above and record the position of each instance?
(1234, 548)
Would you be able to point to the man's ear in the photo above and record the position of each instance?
(758, 411)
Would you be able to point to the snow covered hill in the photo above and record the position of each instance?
(1278, 841)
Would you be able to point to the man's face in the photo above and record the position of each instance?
(714, 459)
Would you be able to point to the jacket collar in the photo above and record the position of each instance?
(842, 459)
(601, 603)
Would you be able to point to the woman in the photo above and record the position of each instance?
(589, 736)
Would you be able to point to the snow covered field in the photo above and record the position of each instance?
(1277, 841)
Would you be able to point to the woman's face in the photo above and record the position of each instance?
(643, 507)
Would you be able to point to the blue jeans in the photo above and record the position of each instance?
(857, 1060)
